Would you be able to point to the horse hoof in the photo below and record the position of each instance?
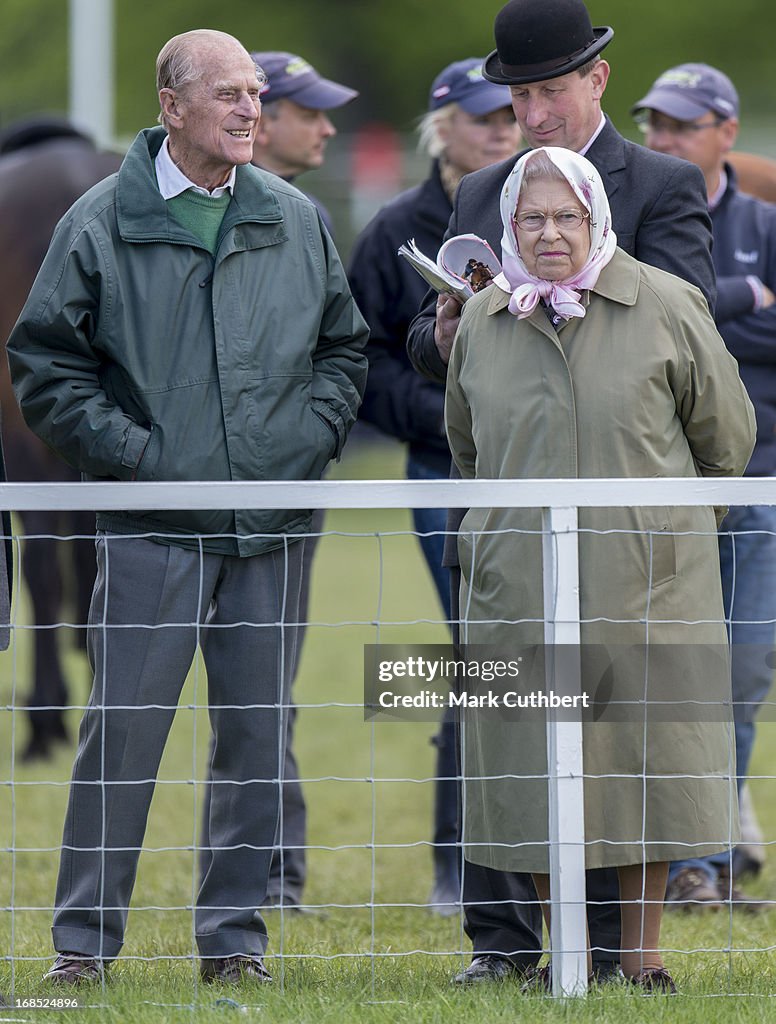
(38, 749)
(59, 732)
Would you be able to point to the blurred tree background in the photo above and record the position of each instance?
(390, 52)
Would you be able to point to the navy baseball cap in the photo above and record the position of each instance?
(689, 91)
(462, 83)
(291, 77)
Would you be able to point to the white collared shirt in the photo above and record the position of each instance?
(716, 199)
(172, 181)
(594, 136)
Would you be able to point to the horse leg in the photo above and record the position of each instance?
(40, 565)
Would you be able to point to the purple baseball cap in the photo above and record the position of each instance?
(462, 83)
(291, 77)
(689, 91)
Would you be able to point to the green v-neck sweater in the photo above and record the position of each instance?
(201, 215)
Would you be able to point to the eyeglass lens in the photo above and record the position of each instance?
(568, 219)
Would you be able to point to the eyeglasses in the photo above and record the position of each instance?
(647, 123)
(565, 220)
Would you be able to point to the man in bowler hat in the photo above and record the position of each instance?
(547, 52)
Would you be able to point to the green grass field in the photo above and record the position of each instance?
(361, 958)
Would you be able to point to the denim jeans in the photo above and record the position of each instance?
(747, 555)
(432, 521)
(446, 854)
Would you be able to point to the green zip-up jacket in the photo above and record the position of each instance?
(140, 356)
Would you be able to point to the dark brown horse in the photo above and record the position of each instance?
(45, 165)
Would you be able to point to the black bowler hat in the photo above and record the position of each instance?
(541, 39)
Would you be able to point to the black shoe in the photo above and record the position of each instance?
(488, 967)
(230, 970)
(607, 972)
(288, 899)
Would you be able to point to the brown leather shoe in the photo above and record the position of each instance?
(655, 981)
(231, 970)
(692, 891)
(538, 980)
(75, 969)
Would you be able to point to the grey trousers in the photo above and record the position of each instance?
(152, 604)
(288, 868)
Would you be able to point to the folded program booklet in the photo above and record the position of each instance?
(465, 264)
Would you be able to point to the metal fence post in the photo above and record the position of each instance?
(568, 936)
(91, 60)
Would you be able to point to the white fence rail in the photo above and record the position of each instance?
(207, 494)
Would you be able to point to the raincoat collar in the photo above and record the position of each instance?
(143, 214)
(618, 281)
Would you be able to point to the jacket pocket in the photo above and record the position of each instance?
(333, 421)
(149, 459)
(325, 445)
(330, 434)
(661, 553)
(471, 547)
(135, 447)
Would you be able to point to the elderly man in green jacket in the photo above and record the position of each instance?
(191, 321)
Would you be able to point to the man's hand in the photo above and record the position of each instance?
(768, 297)
(448, 316)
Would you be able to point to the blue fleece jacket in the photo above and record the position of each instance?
(745, 243)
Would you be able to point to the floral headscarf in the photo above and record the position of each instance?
(563, 296)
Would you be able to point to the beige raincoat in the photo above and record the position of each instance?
(642, 386)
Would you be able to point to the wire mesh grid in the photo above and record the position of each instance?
(369, 789)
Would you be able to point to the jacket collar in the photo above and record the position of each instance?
(618, 281)
(143, 215)
(608, 155)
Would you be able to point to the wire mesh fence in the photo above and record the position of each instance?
(367, 854)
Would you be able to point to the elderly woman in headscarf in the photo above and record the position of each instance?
(582, 362)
